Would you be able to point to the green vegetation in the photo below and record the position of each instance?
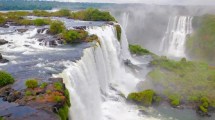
(66, 92)
(118, 31)
(58, 86)
(71, 36)
(40, 22)
(145, 97)
(204, 104)
(56, 27)
(64, 112)
(58, 99)
(2, 20)
(31, 83)
(5, 78)
(137, 49)
(43, 85)
(92, 38)
(174, 100)
(183, 80)
(17, 17)
(62, 13)
(28, 93)
(41, 13)
(92, 14)
(201, 44)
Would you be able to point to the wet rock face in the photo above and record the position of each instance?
(9, 94)
(43, 102)
(81, 28)
(2, 42)
(22, 30)
(2, 60)
(41, 30)
(4, 26)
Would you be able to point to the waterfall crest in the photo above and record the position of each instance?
(174, 39)
(97, 80)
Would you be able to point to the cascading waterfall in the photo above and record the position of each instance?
(96, 81)
(174, 39)
(125, 53)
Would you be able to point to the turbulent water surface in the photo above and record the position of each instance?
(95, 74)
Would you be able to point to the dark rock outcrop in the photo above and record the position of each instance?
(4, 26)
(9, 94)
(41, 30)
(2, 42)
(81, 27)
(22, 30)
(2, 60)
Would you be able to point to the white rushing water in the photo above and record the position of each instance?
(23, 41)
(97, 81)
(173, 42)
(124, 42)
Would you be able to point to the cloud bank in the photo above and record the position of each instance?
(176, 2)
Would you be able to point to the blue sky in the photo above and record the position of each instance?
(195, 2)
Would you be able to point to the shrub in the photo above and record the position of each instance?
(118, 31)
(31, 83)
(56, 27)
(5, 78)
(24, 22)
(62, 13)
(43, 85)
(92, 14)
(58, 86)
(2, 20)
(28, 93)
(57, 98)
(203, 109)
(144, 97)
(41, 13)
(137, 49)
(174, 100)
(74, 35)
(183, 60)
(40, 22)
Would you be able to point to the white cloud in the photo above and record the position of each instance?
(196, 2)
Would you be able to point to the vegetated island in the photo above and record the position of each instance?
(183, 84)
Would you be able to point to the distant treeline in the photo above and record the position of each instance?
(46, 5)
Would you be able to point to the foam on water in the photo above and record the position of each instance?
(97, 81)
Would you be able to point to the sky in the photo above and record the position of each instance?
(195, 2)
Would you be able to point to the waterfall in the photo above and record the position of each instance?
(97, 80)
(124, 42)
(173, 42)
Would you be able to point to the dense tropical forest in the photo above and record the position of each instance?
(45, 5)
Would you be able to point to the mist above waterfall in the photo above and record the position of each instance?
(147, 24)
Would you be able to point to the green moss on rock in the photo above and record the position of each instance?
(118, 31)
(138, 50)
(5, 78)
(64, 112)
(145, 97)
